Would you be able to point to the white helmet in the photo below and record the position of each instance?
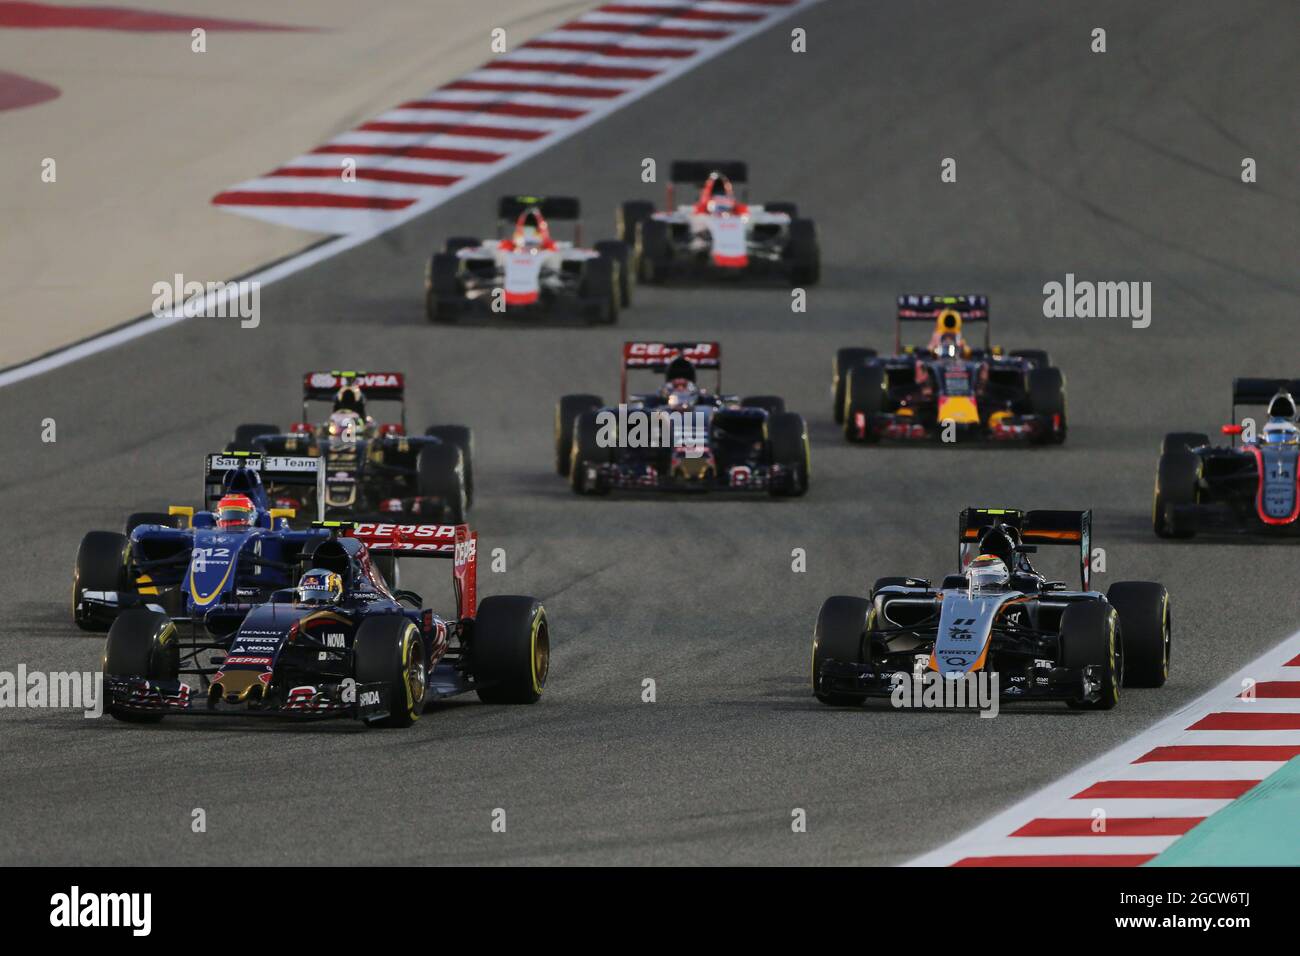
(988, 572)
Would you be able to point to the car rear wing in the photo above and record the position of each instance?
(696, 172)
(298, 470)
(929, 308)
(552, 208)
(659, 356)
(454, 541)
(1069, 528)
(375, 386)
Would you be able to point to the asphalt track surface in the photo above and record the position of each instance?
(1116, 166)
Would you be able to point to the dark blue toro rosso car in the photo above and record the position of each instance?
(345, 642)
(238, 547)
(680, 437)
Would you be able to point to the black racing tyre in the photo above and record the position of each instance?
(142, 644)
(804, 254)
(388, 650)
(244, 435)
(443, 296)
(587, 450)
(629, 216)
(838, 636)
(510, 650)
(566, 410)
(845, 360)
(1178, 478)
(1090, 634)
(772, 404)
(787, 440)
(1046, 388)
(137, 518)
(621, 253)
(1039, 357)
(457, 243)
(100, 566)
(863, 394)
(463, 438)
(1146, 629)
(1183, 441)
(440, 473)
(789, 208)
(653, 251)
(599, 291)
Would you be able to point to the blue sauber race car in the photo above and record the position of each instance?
(237, 547)
(345, 642)
(1251, 487)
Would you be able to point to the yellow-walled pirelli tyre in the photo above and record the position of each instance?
(510, 652)
(1090, 634)
(841, 625)
(388, 651)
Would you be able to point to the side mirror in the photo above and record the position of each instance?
(1231, 429)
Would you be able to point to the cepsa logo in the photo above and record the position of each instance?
(660, 351)
(407, 537)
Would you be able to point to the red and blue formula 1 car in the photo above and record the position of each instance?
(948, 389)
(346, 642)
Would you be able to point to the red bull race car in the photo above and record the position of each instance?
(719, 234)
(526, 270)
(1249, 486)
(680, 436)
(371, 467)
(948, 389)
(346, 641)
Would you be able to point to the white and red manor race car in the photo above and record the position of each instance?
(528, 270)
(720, 234)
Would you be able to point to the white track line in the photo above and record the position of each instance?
(993, 837)
(357, 226)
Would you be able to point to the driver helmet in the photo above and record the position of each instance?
(1000, 542)
(235, 513)
(1281, 433)
(319, 586)
(988, 572)
(530, 237)
(949, 346)
(346, 426)
(680, 393)
(1282, 405)
(721, 206)
(350, 399)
